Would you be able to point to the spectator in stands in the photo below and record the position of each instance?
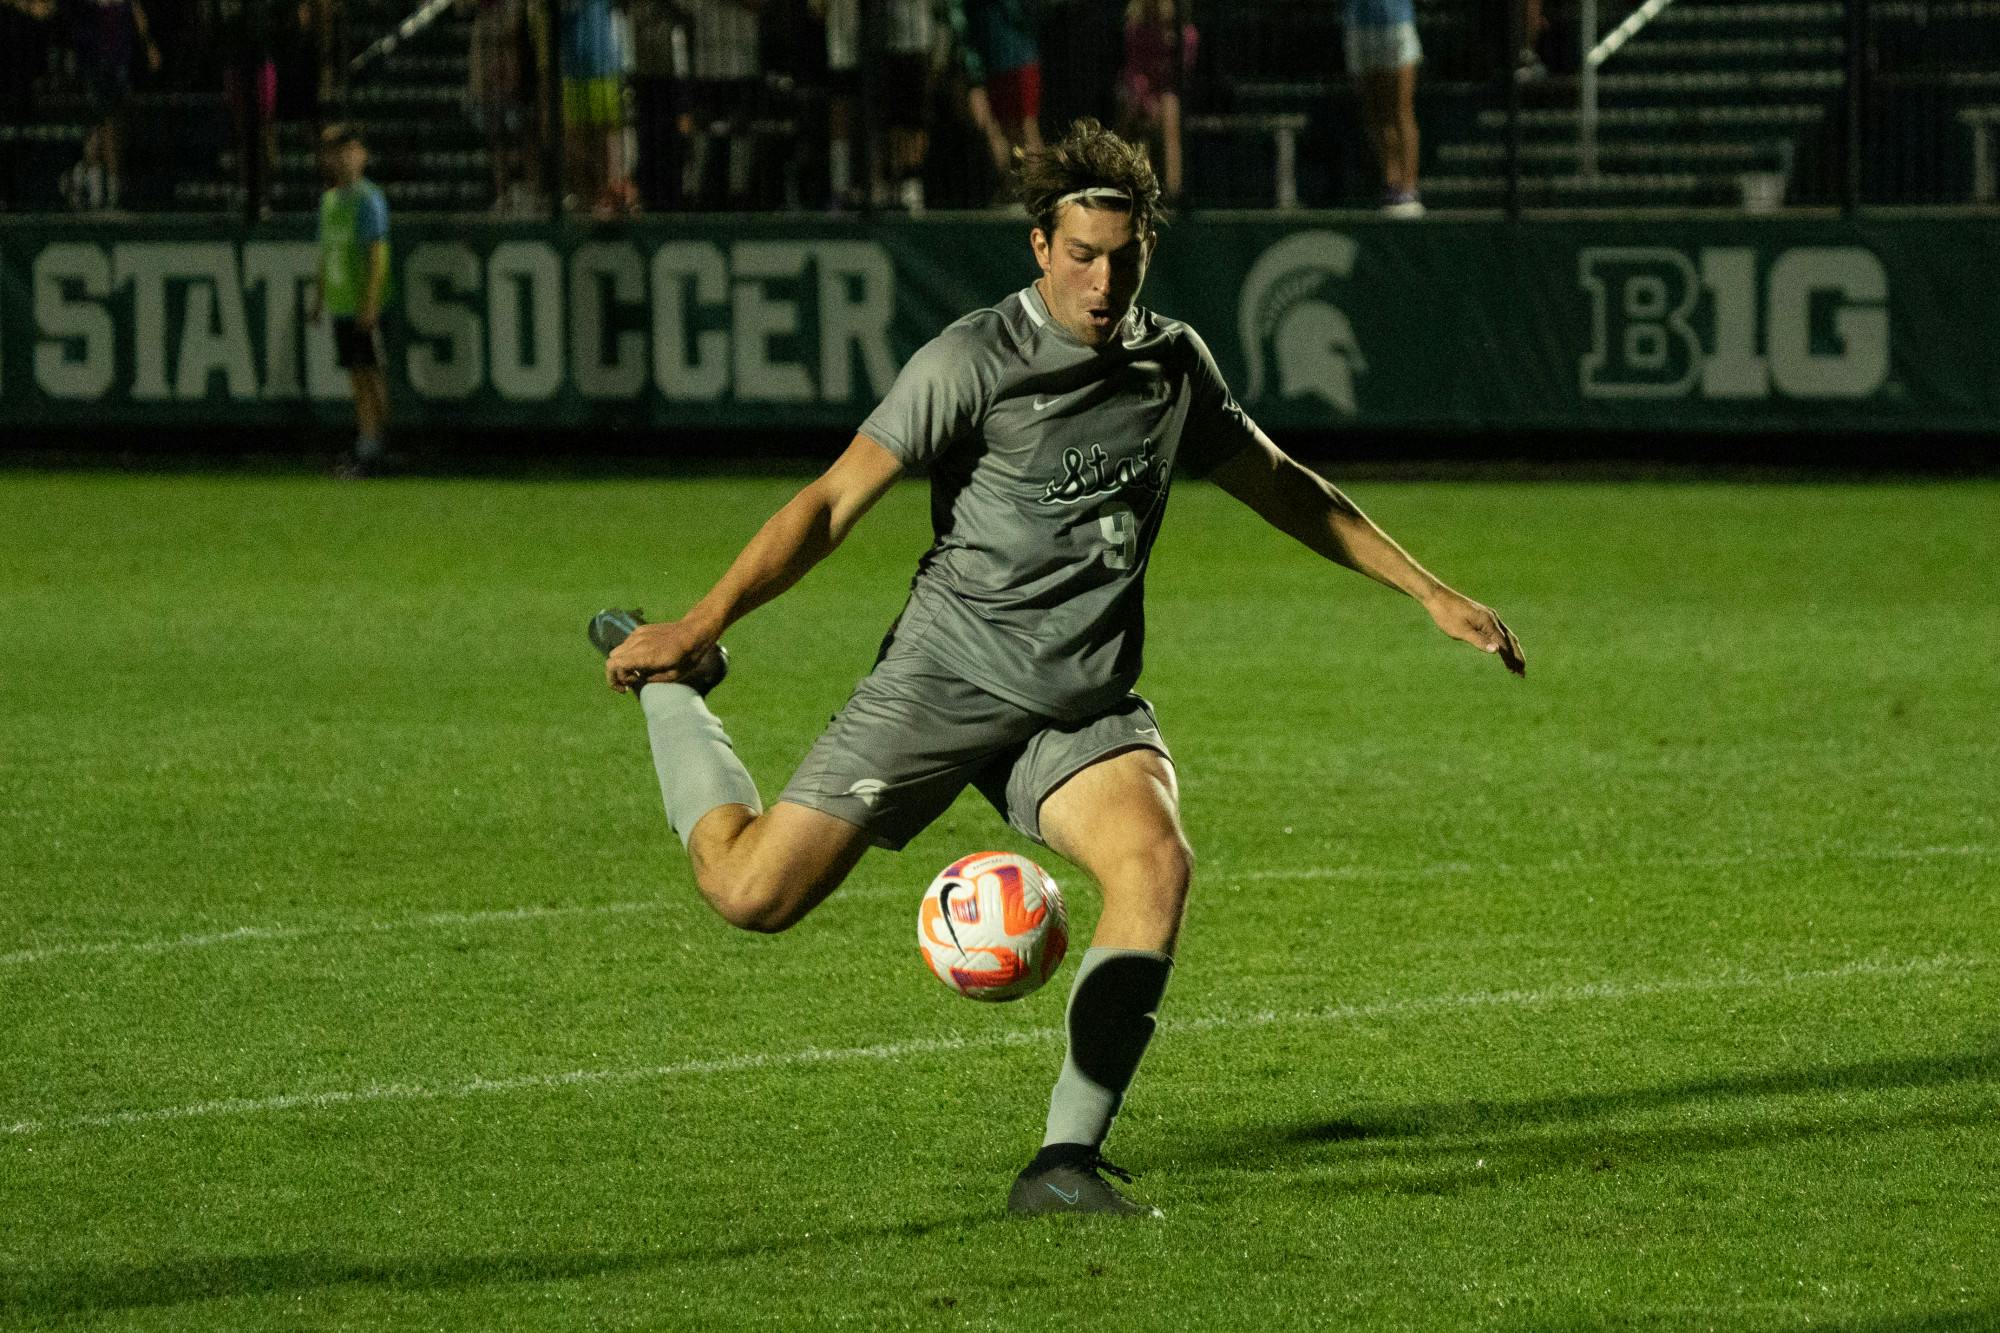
(910, 48)
(1382, 57)
(501, 98)
(352, 285)
(727, 71)
(659, 83)
(299, 46)
(250, 86)
(792, 42)
(106, 36)
(593, 74)
(1528, 64)
(843, 86)
(1006, 98)
(1159, 51)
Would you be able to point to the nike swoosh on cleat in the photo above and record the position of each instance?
(1067, 1196)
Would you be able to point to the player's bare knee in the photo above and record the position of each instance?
(763, 918)
(749, 901)
(1173, 863)
(763, 904)
(1161, 870)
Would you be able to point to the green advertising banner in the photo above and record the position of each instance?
(1319, 321)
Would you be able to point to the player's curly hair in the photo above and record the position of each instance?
(1089, 156)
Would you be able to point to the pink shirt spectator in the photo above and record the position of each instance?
(1156, 58)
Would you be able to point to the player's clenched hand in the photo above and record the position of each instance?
(1465, 619)
(660, 654)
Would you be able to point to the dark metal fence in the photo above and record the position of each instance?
(611, 107)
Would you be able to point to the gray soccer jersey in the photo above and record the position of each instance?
(1050, 463)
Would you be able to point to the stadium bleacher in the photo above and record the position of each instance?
(425, 151)
(1714, 103)
(1708, 105)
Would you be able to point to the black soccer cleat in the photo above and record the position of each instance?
(1070, 1179)
(611, 627)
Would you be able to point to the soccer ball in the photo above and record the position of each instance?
(992, 926)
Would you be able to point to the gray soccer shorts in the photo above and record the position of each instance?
(914, 735)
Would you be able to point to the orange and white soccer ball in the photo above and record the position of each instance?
(992, 926)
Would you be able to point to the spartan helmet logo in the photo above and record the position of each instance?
(1308, 337)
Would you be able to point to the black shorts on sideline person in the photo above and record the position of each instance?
(353, 349)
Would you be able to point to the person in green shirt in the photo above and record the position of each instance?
(353, 285)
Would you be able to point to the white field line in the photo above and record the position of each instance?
(1432, 870)
(258, 934)
(1443, 869)
(921, 1046)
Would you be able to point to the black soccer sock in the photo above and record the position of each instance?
(1111, 1015)
(1060, 1154)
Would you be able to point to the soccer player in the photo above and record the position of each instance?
(353, 284)
(1052, 426)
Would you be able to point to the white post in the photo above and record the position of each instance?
(1288, 160)
(1586, 111)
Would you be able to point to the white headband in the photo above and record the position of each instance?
(1105, 192)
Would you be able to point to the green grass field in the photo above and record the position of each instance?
(349, 976)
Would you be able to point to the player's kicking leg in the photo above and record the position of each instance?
(1120, 820)
(760, 871)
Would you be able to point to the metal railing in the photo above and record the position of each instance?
(387, 44)
(1595, 53)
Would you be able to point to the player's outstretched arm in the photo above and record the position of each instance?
(1298, 501)
(791, 542)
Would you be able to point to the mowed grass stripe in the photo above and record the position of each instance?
(281, 933)
(1441, 869)
(923, 1046)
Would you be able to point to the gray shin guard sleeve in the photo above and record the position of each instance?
(1111, 1014)
(697, 765)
